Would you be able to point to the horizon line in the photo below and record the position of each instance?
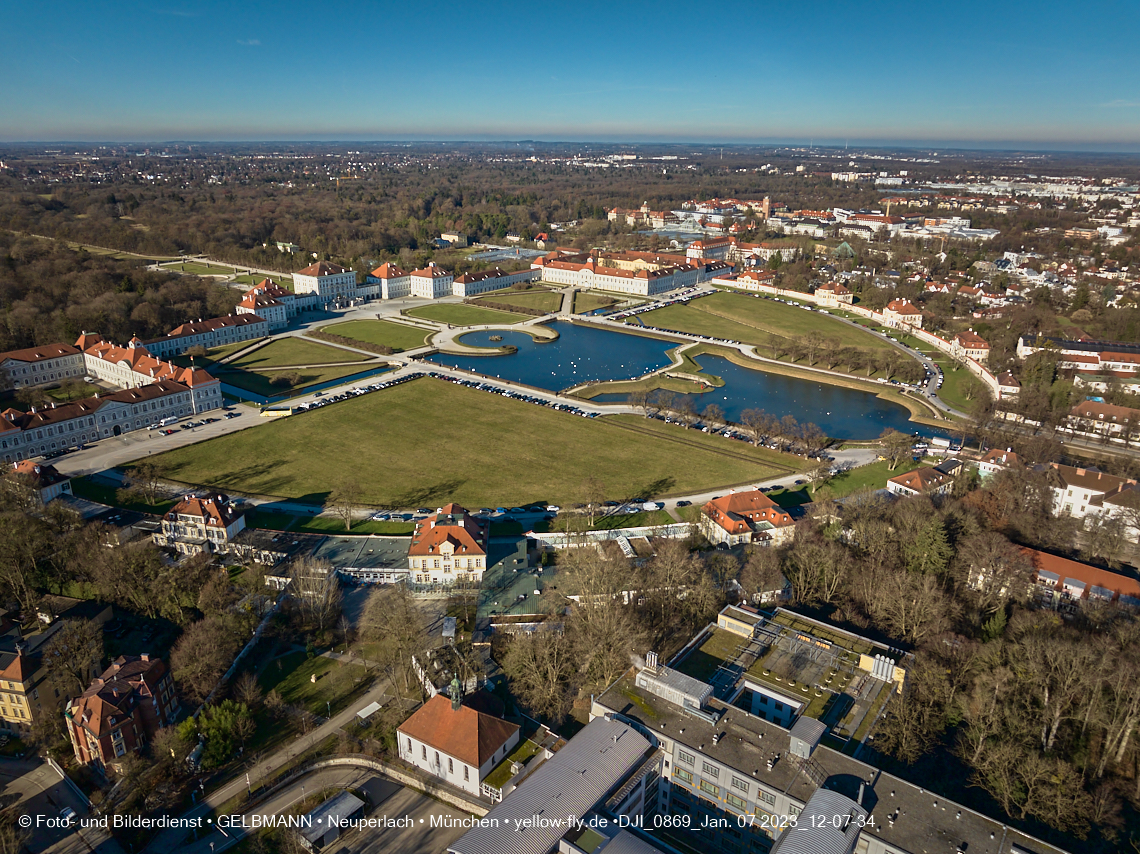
(1011, 146)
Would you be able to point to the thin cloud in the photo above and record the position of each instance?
(178, 13)
(1121, 102)
(250, 42)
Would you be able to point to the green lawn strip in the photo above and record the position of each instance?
(869, 719)
(743, 315)
(874, 476)
(955, 378)
(292, 351)
(85, 487)
(269, 520)
(336, 683)
(657, 381)
(703, 662)
(214, 354)
(464, 315)
(640, 519)
(523, 751)
(334, 526)
(781, 463)
(512, 453)
(585, 301)
(691, 514)
(261, 382)
(382, 332)
(545, 301)
(198, 268)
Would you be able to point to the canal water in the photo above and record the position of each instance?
(583, 354)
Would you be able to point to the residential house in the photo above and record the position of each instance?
(452, 740)
(970, 345)
(448, 547)
(198, 524)
(901, 312)
(121, 710)
(39, 482)
(745, 517)
(1065, 585)
(1008, 385)
(994, 461)
(1084, 492)
(26, 692)
(927, 480)
(1105, 419)
(834, 293)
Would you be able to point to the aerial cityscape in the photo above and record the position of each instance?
(459, 430)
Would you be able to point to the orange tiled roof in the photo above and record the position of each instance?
(39, 354)
(214, 509)
(322, 268)
(388, 271)
(921, 479)
(470, 736)
(467, 535)
(738, 512)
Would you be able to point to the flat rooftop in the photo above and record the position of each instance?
(371, 552)
(922, 820)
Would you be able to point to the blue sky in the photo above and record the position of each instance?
(992, 73)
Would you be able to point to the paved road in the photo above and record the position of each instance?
(387, 800)
(171, 838)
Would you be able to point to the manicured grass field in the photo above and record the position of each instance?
(585, 301)
(257, 278)
(382, 332)
(215, 354)
(261, 382)
(547, 301)
(464, 315)
(291, 676)
(954, 382)
(874, 476)
(428, 442)
(287, 352)
(92, 490)
(750, 320)
(197, 268)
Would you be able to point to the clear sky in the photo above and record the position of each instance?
(1039, 73)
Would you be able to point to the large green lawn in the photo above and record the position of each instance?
(586, 301)
(385, 333)
(199, 268)
(873, 476)
(747, 319)
(336, 683)
(464, 315)
(214, 354)
(429, 441)
(287, 352)
(548, 301)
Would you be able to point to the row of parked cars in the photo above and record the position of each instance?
(517, 395)
(353, 392)
(681, 297)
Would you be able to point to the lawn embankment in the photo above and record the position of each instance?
(428, 442)
(293, 352)
(545, 301)
(465, 315)
(744, 318)
(380, 332)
